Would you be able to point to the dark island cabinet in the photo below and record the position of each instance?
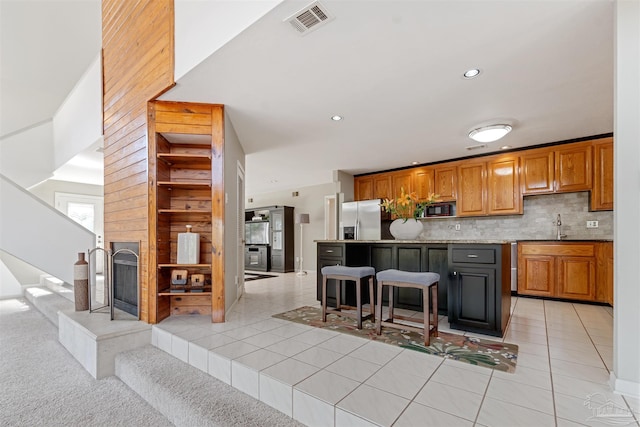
(479, 290)
(383, 256)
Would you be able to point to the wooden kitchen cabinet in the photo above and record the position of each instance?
(489, 187)
(423, 182)
(471, 188)
(536, 275)
(503, 186)
(382, 186)
(604, 272)
(537, 174)
(440, 180)
(402, 180)
(573, 165)
(363, 188)
(602, 193)
(368, 187)
(570, 270)
(445, 182)
(576, 277)
(561, 169)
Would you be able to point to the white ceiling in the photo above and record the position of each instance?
(393, 69)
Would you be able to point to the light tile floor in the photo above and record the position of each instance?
(324, 378)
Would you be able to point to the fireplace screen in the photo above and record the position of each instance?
(125, 276)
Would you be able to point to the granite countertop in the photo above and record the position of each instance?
(564, 240)
(467, 241)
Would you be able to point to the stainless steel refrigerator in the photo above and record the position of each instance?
(363, 220)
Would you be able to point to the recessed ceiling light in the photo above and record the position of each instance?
(336, 118)
(489, 133)
(414, 163)
(505, 147)
(469, 74)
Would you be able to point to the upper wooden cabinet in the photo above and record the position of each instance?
(602, 193)
(537, 171)
(495, 184)
(503, 186)
(445, 182)
(363, 188)
(573, 165)
(489, 187)
(402, 180)
(440, 180)
(562, 169)
(378, 186)
(423, 182)
(471, 188)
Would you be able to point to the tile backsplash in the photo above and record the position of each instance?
(537, 222)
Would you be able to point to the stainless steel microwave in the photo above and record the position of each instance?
(439, 209)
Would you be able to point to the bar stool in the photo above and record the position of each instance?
(353, 274)
(427, 282)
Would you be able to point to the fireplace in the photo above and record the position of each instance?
(125, 276)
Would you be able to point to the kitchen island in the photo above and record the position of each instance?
(475, 276)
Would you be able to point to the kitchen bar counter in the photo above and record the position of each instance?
(475, 276)
(463, 241)
(423, 242)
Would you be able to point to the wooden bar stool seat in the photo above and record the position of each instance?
(427, 282)
(341, 274)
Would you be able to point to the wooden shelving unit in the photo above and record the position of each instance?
(185, 152)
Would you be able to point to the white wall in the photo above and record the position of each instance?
(309, 200)
(625, 377)
(78, 122)
(202, 27)
(36, 233)
(233, 153)
(9, 285)
(46, 190)
(26, 158)
(24, 273)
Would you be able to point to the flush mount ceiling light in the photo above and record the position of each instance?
(336, 118)
(469, 74)
(489, 133)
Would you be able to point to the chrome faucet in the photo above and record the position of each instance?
(559, 235)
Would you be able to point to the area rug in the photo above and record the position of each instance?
(476, 351)
(255, 276)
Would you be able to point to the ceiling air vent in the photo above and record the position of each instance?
(310, 18)
(476, 147)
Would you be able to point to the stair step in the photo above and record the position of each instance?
(188, 396)
(48, 302)
(58, 286)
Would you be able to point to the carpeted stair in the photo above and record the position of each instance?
(187, 397)
(48, 302)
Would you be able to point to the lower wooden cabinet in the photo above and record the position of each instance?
(568, 270)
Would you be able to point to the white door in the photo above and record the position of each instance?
(87, 211)
(240, 231)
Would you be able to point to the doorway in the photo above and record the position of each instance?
(87, 211)
(240, 231)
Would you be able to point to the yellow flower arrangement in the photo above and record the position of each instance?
(407, 205)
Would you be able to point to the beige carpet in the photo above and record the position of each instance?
(43, 385)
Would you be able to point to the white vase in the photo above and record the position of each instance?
(406, 230)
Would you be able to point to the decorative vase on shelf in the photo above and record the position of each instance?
(405, 229)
